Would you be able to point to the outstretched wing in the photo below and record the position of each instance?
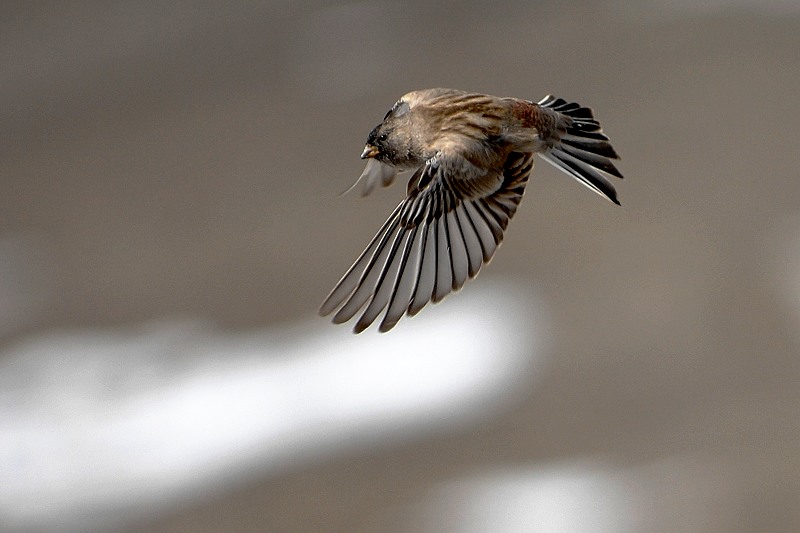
(449, 225)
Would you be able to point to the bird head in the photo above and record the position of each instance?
(391, 142)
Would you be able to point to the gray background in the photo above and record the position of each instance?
(184, 160)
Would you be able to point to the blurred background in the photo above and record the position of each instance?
(169, 223)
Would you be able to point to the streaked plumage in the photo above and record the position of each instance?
(472, 155)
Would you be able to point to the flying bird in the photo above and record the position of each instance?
(472, 155)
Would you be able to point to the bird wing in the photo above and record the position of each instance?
(448, 226)
(375, 173)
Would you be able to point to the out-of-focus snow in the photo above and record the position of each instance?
(689, 492)
(99, 426)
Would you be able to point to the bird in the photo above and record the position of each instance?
(471, 155)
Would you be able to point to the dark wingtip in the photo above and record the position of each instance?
(386, 327)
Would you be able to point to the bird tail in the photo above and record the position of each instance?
(583, 151)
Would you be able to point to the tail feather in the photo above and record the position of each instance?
(597, 160)
(602, 148)
(585, 174)
(583, 150)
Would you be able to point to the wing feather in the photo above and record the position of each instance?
(352, 278)
(407, 280)
(392, 269)
(472, 241)
(444, 266)
(458, 250)
(487, 230)
(449, 226)
(427, 272)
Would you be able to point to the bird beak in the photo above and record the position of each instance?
(369, 152)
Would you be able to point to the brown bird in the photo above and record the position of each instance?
(472, 155)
